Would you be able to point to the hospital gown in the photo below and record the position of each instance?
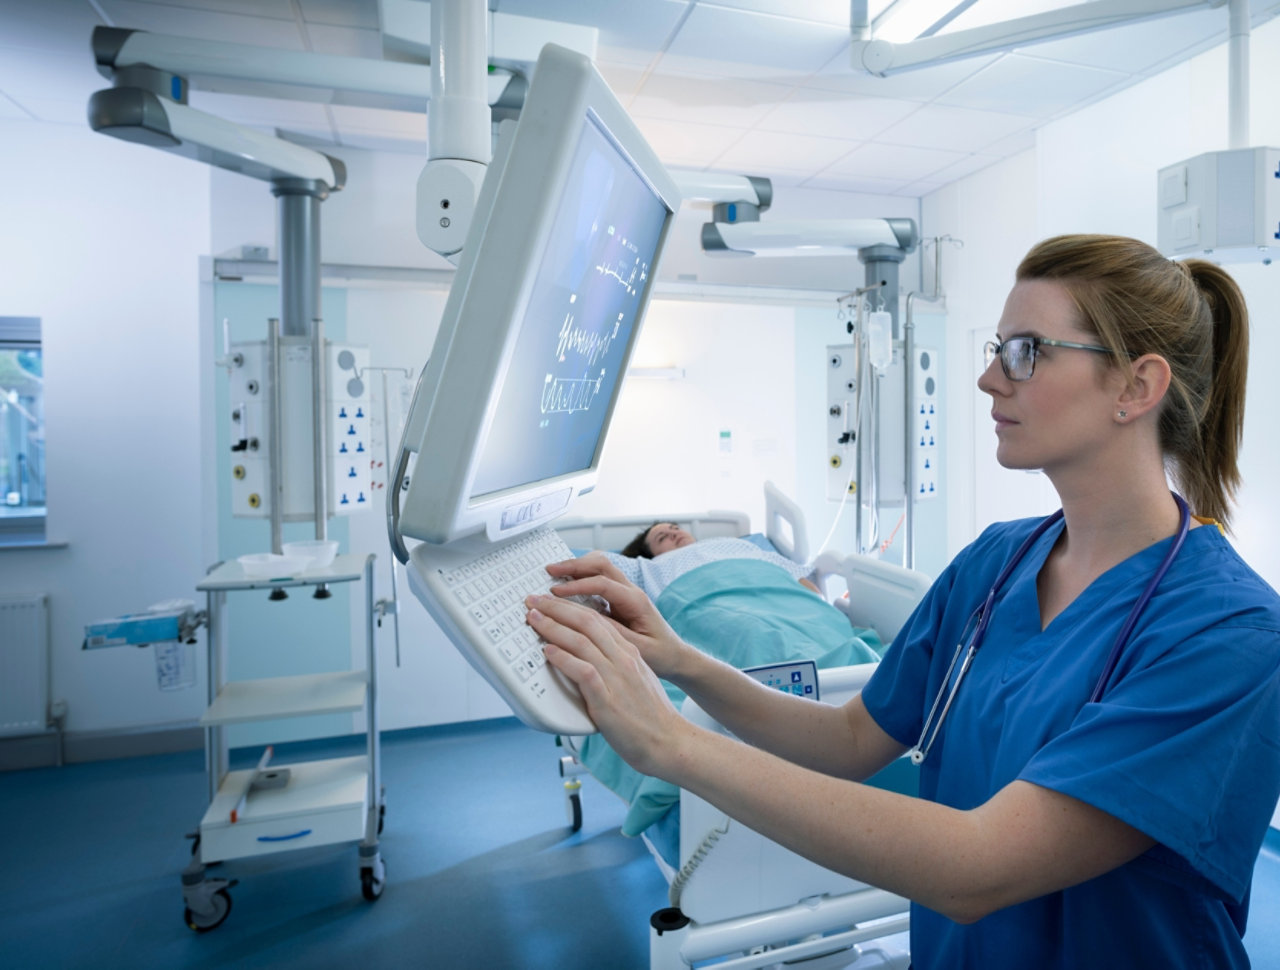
(654, 575)
(1184, 745)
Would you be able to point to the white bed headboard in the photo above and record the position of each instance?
(616, 531)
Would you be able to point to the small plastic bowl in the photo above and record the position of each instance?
(318, 552)
(267, 565)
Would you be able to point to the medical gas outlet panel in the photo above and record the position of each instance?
(878, 423)
(356, 477)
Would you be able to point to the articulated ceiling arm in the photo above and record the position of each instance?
(883, 58)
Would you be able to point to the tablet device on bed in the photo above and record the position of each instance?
(798, 677)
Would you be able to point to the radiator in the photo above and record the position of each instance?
(24, 665)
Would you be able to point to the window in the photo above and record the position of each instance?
(22, 495)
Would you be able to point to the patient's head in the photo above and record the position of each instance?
(656, 539)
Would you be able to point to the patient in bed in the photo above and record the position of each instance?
(736, 600)
(663, 552)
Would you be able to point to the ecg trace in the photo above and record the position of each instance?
(629, 280)
(586, 343)
(565, 395)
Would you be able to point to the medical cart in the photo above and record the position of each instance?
(273, 807)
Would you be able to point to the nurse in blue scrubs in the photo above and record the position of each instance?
(1093, 700)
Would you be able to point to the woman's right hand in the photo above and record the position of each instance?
(629, 607)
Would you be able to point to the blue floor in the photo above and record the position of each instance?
(482, 871)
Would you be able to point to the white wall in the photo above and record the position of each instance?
(1095, 171)
(102, 241)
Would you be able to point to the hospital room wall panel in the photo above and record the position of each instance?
(102, 242)
(431, 683)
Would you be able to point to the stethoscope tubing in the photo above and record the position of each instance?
(927, 738)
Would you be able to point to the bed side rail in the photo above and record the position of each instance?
(881, 594)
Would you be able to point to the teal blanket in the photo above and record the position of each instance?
(745, 612)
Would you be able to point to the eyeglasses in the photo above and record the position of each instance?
(1018, 354)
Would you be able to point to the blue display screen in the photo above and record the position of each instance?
(562, 378)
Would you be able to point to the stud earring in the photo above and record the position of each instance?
(1123, 415)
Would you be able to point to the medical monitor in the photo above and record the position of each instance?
(511, 412)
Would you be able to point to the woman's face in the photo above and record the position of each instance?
(1063, 413)
(666, 536)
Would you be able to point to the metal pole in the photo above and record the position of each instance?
(908, 438)
(299, 212)
(1238, 74)
(386, 444)
(319, 426)
(275, 451)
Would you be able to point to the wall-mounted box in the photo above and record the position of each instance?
(1223, 206)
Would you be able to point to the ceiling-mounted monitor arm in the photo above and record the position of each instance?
(148, 105)
(734, 198)
(459, 125)
(883, 58)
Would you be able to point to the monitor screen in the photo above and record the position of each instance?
(511, 412)
(578, 323)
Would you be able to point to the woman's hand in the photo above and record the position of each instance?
(623, 695)
(635, 616)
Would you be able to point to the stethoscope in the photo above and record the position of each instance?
(976, 628)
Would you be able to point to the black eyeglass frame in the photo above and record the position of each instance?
(997, 348)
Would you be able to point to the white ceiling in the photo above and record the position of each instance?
(759, 87)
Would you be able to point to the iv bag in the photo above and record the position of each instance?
(880, 339)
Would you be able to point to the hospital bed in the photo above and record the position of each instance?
(736, 897)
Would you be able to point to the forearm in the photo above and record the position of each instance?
(815, 735)
(1023, 843)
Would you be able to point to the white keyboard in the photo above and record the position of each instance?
(475, 590)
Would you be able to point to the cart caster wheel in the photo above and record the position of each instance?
(370, 886)
(204, 922)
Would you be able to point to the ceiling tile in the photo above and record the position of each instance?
(62, 26)
(261, 30)
(345, 41)
(893, 162)
(855, 183)
(57, 76)
(766, 152)
(11, 111)
(624, 79)
(1032, 86)
(811, 111)
(965, 166)
(275, 9)
(743, 44)
(924, 84)
(718, 101)
(631, 24)
(1134, 48)
(341, 13)
(961, 129)
(820, 11)
(682, 143)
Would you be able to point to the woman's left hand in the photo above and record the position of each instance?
(624, 697)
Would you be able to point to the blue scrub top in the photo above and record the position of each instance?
(1184, 745)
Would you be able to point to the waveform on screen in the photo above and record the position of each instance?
(630, 278)
(565, 395)
(585, 343)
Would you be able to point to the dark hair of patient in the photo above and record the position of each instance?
(638, 548)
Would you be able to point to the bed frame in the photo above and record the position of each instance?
(739, 898)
